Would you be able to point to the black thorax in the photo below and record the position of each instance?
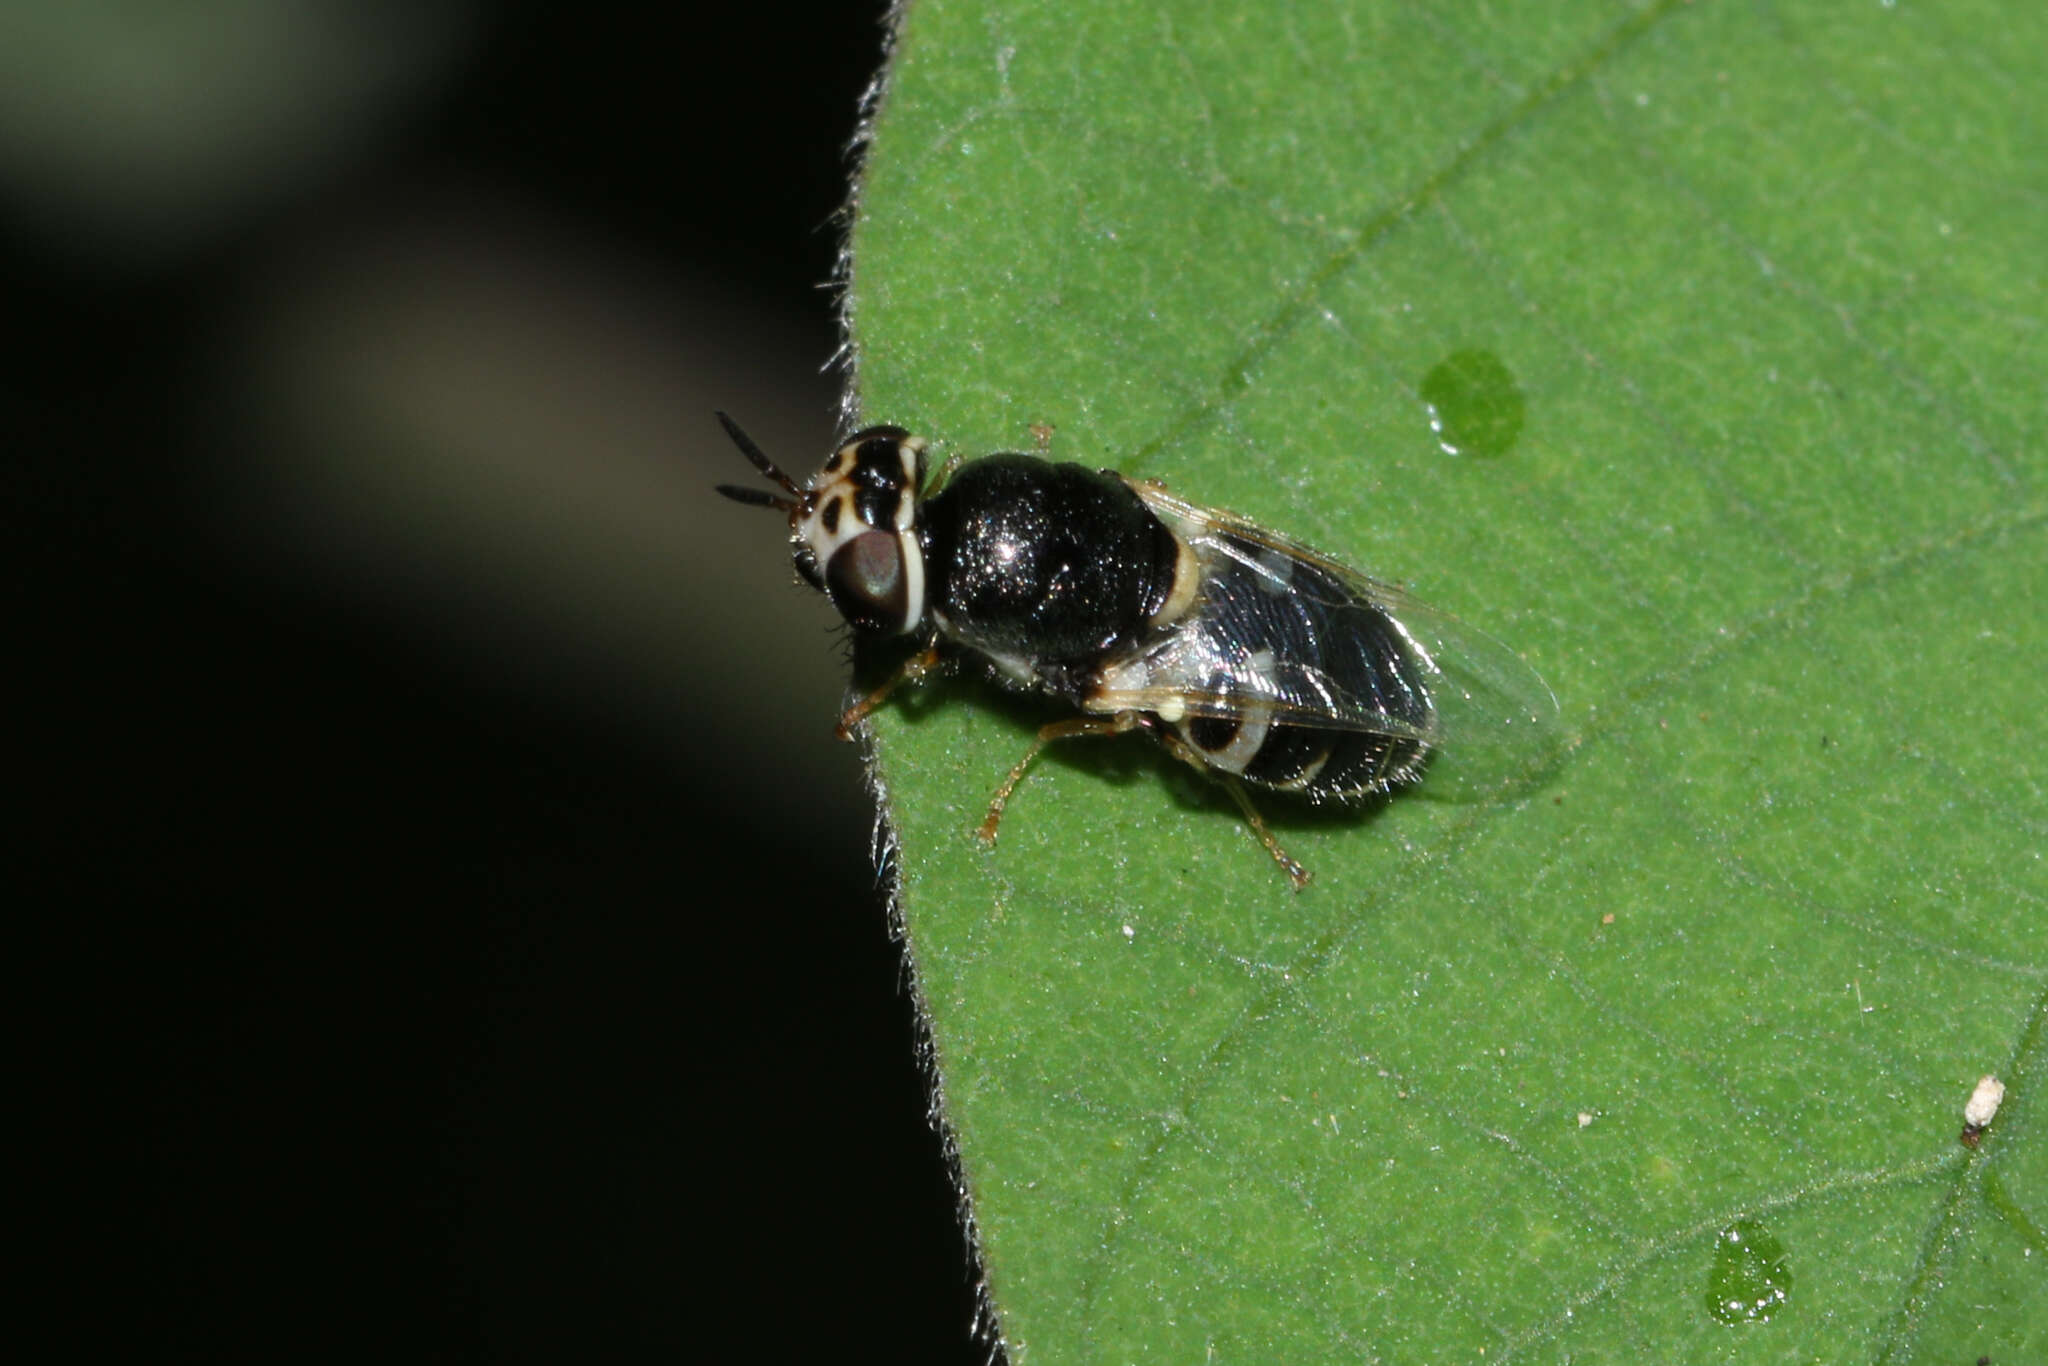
(1043, 565)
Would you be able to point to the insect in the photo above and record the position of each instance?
(1247, 655)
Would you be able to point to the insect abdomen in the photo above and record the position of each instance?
(1310, 761)
(1324, 764)
(1290, 629)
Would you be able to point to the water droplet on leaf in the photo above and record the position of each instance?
(1475, 406)
(1750, 1278)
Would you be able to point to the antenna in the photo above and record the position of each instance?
(761, 462)
(760, 498)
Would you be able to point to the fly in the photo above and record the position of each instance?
(1245, 654)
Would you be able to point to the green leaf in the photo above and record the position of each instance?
(1737, 315)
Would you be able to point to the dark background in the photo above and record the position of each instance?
(465, 937)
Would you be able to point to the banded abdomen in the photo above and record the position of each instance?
(1283, 674)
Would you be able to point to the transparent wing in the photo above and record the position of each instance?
(1285, 628)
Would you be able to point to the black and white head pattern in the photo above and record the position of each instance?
(856, 536)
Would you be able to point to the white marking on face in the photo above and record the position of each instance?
(844, 524)
(834, 486)
(913, 580)
(912, 452)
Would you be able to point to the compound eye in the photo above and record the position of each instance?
(867, 582)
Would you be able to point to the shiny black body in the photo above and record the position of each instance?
(1045, 568)
(1248, 655)
(1057, 572)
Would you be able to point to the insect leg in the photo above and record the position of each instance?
(913, 671)
(945, 472)
(1058, 730)
(1296, 874)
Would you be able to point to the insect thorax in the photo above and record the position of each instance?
(1044, 567)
